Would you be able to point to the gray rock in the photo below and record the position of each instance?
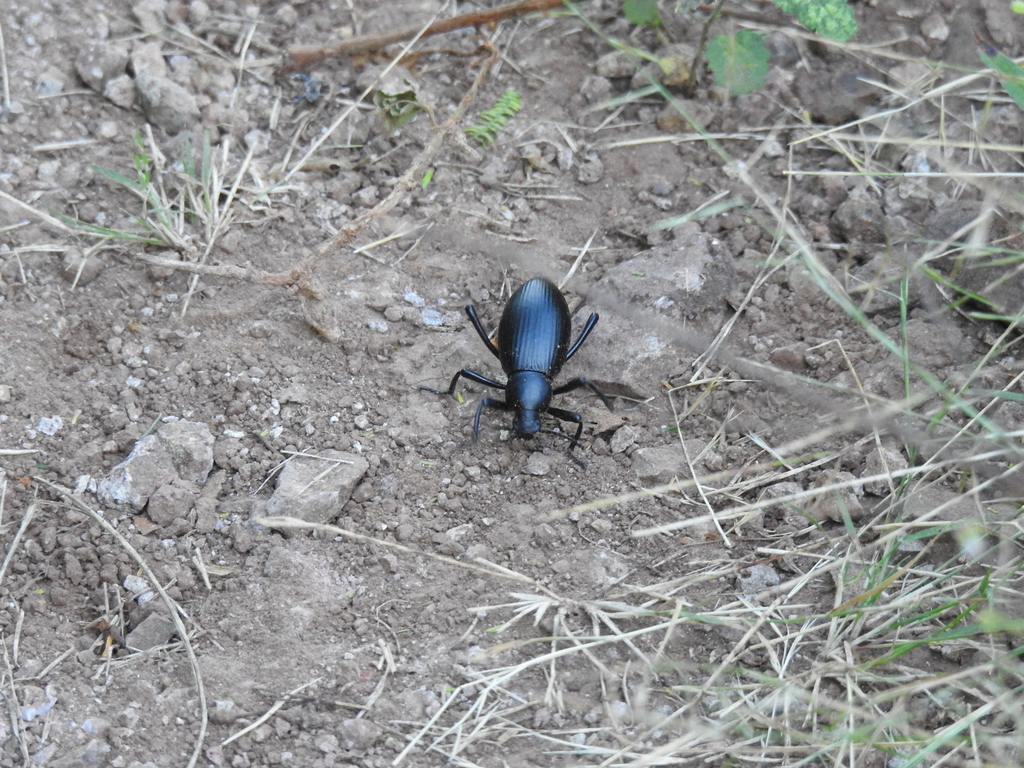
(937, 344)
(875, 285)
(1002, 23)
(198, 12)
(538, 465)
(166, 104)
(590, 169)
(37, 702)
(879, 461)
(658, 465)
(155, 630)
(95, 753)
(79, 269)
(120, 91)
(683, 278)
(315, 490)
(624, 438)
(934, 28)
(50, 82)
(152, 15)
(178, 450)
(835, 504)
(169, 502)
(148, 59)
(615, 65)
(100, 63)
(951, 506)
(757, 578)
(358, 734)
(190, 446)
(860, 217)
(631, 370)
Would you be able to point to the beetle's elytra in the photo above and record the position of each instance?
(533, 345)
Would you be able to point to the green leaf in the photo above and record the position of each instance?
(488, 124)
(1011, 76)
(427, 178)
(396, 109)
(739, 63)
(829, 18)
(1017, 6)
(116, 177)
(641, 12)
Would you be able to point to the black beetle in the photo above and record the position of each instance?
(533, 345)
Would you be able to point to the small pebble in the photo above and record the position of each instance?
(757, 578)
(432, 317)
(414, 298)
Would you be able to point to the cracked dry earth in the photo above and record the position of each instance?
(182, 408)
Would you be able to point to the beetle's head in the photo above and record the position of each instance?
(526, 423)
(528, 394)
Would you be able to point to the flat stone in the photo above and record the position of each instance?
(880, 461)
(835, 504)
(100, 63)
(166, 104)
(155, 630)
(177, 450)
(315, 490)
(661, 464)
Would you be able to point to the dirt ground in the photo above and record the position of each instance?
(376, 643)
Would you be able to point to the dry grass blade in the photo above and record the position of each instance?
(270, 712)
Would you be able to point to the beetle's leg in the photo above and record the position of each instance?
(466, 373)
(487, 402)
(575, 418)
(591, 322)
(471, 311)
(574, 441)
(582, 382)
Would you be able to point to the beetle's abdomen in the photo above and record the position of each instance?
(533, 334)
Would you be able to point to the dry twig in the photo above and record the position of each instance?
(302, 56)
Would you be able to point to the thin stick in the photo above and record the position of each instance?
(302, 56)
(13, 546)
(13, 707)
(269, 713)
(6, 106)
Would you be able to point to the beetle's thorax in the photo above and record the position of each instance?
(528, 393)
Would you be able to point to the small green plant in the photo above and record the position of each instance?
(489, 123)
(397, 108)
(640, 12)
(1011, 76)
(187, 205)
(739, 62)
(829, 18)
